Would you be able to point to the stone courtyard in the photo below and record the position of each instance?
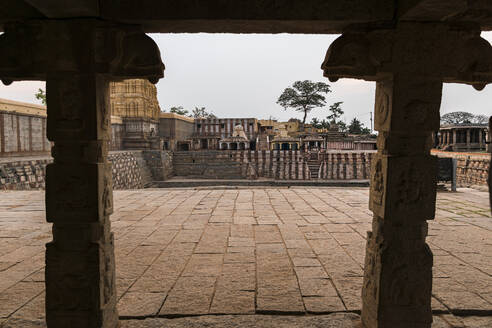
(245, 252)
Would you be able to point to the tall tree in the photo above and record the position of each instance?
(457, 118)
(336, 111)
(41, 95)
(304, 96)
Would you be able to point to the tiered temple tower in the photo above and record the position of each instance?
(134, 103)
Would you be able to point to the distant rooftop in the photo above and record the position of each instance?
(177, 117)
(464, 125)
(7, 105)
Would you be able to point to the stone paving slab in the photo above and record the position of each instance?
(182, 252)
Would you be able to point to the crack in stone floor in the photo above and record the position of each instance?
(243, 254)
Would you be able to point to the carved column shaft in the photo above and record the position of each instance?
(80, 268)
(409, 63)
(77, 58)
(398, 269)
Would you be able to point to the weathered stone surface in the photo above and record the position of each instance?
(155, 266)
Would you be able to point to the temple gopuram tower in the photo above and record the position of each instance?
(134, 104)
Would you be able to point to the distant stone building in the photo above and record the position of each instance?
(176, 131)
(135, 103)
(238, 140)
(467, 137)
(22, 129)
(209, 131)
(276, 135)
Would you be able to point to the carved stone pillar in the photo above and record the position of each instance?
(80, 268)
(78, 58)
(409, 64)
(398, 266)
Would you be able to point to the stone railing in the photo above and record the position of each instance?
(279, 165)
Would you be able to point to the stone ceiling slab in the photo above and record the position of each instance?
(66, 8)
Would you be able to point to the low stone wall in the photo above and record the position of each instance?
(279, 165)
(346, 166)
(128, 171)
(471, 169)
(23, 174)
(131, 170)
(159, 164)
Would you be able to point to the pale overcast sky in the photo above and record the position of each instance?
(243, 75)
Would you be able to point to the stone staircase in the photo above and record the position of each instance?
(314, 164)
(207, 165)
(263, 142)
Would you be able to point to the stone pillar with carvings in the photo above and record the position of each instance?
(78, 58)
(406, 62)
(398, 267)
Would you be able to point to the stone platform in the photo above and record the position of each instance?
(252, 256)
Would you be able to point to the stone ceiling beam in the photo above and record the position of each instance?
(11, 10)
(479, 12)
(67, 8)
(308, 16)
(253, 16)
(235, 16)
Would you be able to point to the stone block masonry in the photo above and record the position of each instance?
(22, 129)
(130, 170)
(471, 169)
(23, 174)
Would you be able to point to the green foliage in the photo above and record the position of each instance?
(41, 95)
(480, 119)
(179, 110)
(356, 127)
(304, 96)
(316, 123)
(202, 113)
(342, 126)
(457, 118)
(336, 111)
(325, 124)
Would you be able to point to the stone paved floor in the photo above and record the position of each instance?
(186, 252)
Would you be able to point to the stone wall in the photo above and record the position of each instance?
(131, 170)
(20, 174)
(117, 133)
(208, 165)
(280, 165)
(159, 164)
(22, 130)
(471, 169)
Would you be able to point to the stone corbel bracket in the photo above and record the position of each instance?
(449, 53)
(34, 50)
